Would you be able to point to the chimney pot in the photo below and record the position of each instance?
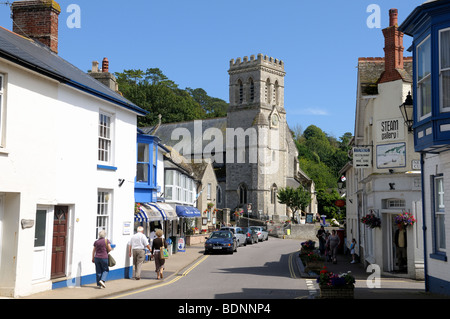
(105, 65)
(393, 17)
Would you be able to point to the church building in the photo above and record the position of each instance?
(252, 149)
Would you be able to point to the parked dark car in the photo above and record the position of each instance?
(251, 235)
(241, 239)
(219, 241)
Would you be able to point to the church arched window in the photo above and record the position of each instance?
(242, 191)
(276, 93)
(252, 90)
(273, 194)
(266, 91)
(241, 91)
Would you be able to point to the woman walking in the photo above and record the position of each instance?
(157, 244)
(102, 247)
(334, 242)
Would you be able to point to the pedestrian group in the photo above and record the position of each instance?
(136, 250)
(329, 243)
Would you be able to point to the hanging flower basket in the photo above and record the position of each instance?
(406, 219)
(371, 221)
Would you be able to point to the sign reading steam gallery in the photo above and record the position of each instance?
(362, 157)
(390, 130)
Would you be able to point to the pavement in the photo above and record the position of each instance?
(176, 265)
(371, 284)
(387, 287)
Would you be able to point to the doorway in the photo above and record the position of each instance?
(399, 248)
(59, 242)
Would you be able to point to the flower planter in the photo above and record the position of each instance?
(337, 292)
(314, 265)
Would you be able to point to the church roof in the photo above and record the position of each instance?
(169, 133)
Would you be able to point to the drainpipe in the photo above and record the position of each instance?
(424, 227)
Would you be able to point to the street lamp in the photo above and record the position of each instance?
(407, 112)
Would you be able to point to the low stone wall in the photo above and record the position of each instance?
(304, 232)
(195, 239)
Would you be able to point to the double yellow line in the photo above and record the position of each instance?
(176, 278)
(291, 266)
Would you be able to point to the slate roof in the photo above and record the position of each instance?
(371, 69)
(164, 131)
(39, 58)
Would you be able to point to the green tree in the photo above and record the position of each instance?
(295, 198)
(326, 204)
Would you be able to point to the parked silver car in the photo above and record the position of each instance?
(262, 233)
(238, 232)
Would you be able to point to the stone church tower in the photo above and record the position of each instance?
(257, 168)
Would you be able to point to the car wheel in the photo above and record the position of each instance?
(235, 248)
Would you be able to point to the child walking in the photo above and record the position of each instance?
(352, 250)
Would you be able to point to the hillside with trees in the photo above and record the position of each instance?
(321, 157)
(154, 92)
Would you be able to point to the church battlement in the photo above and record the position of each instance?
(260, 60)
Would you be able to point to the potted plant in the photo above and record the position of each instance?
(406, 219)
(308, 245)
(336, 285)
(314, 262)
(371, 221)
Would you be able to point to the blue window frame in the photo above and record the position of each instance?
(438, 218)
(146, 184)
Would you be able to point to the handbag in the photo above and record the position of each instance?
(111, 260)
(163, 252)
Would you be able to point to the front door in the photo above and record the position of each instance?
(59, 242)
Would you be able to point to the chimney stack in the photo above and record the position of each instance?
(38, 20)
(393, 49)
(104, 76)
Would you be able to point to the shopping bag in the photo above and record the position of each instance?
(111, 261)
(164, 253)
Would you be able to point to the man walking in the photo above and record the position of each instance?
(137, 245)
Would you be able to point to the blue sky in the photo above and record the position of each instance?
(193, 41)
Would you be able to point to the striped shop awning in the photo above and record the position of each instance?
(167, 210)
(148, 213)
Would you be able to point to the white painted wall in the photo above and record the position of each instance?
(50, 159)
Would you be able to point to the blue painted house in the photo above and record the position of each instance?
(429, 25)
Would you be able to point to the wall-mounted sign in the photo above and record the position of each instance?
(390, 130)
(362, 157)
(415, 164)
(391, 155)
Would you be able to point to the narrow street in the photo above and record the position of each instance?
(265, 270)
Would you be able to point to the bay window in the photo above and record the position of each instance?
(178, 187)
(424, 79)
(444, 69)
